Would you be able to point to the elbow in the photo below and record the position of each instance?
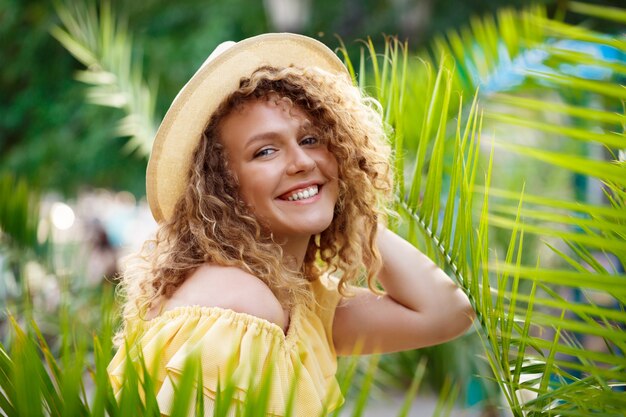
(466, 313)
(461, 316)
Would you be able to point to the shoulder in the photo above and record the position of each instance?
(229, 288)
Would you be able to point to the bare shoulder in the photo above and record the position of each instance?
(229, 288)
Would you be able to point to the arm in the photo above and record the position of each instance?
(422, 305)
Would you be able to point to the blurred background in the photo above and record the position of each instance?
(51, 138)
(79, 167)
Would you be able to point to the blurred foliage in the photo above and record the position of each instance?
(19, 213)
(49, 137)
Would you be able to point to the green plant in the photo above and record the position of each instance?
(101, 42)
(19, 243)
(530, 328)
(527, 319)
(19, 213)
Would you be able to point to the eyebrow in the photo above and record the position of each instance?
(260, 137)
(305, 127)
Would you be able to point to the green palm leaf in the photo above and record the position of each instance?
(96, 38)
(523, 317)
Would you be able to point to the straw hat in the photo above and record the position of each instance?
(219, 75)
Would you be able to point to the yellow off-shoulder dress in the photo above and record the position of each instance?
(235, 345)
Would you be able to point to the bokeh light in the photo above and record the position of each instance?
(62, 216)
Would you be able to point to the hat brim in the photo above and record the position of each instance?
(187, 117)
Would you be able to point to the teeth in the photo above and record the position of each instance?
(306, 193)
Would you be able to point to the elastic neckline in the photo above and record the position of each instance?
(286, 339)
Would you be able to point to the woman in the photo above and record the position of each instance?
(269, 176)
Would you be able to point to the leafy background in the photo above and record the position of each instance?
(516, 188)
(51, 138)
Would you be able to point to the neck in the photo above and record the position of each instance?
(294, 251)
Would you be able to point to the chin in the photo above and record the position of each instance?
(321, 225)
(311, 229)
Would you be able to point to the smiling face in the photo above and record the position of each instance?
(286, 174)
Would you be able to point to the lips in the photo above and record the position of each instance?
(301, 192)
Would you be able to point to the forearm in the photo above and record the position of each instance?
(422, 305)
(411, 279)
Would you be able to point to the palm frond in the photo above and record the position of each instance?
(603, 12)
(101, 42)
(562, 311)
(531, 330)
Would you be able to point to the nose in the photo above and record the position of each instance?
(300, 161)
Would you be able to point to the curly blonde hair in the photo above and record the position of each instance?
(211, 224)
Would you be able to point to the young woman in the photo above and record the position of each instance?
(269, 177)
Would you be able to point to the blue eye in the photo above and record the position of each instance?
(310, 140)
(264, 152)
